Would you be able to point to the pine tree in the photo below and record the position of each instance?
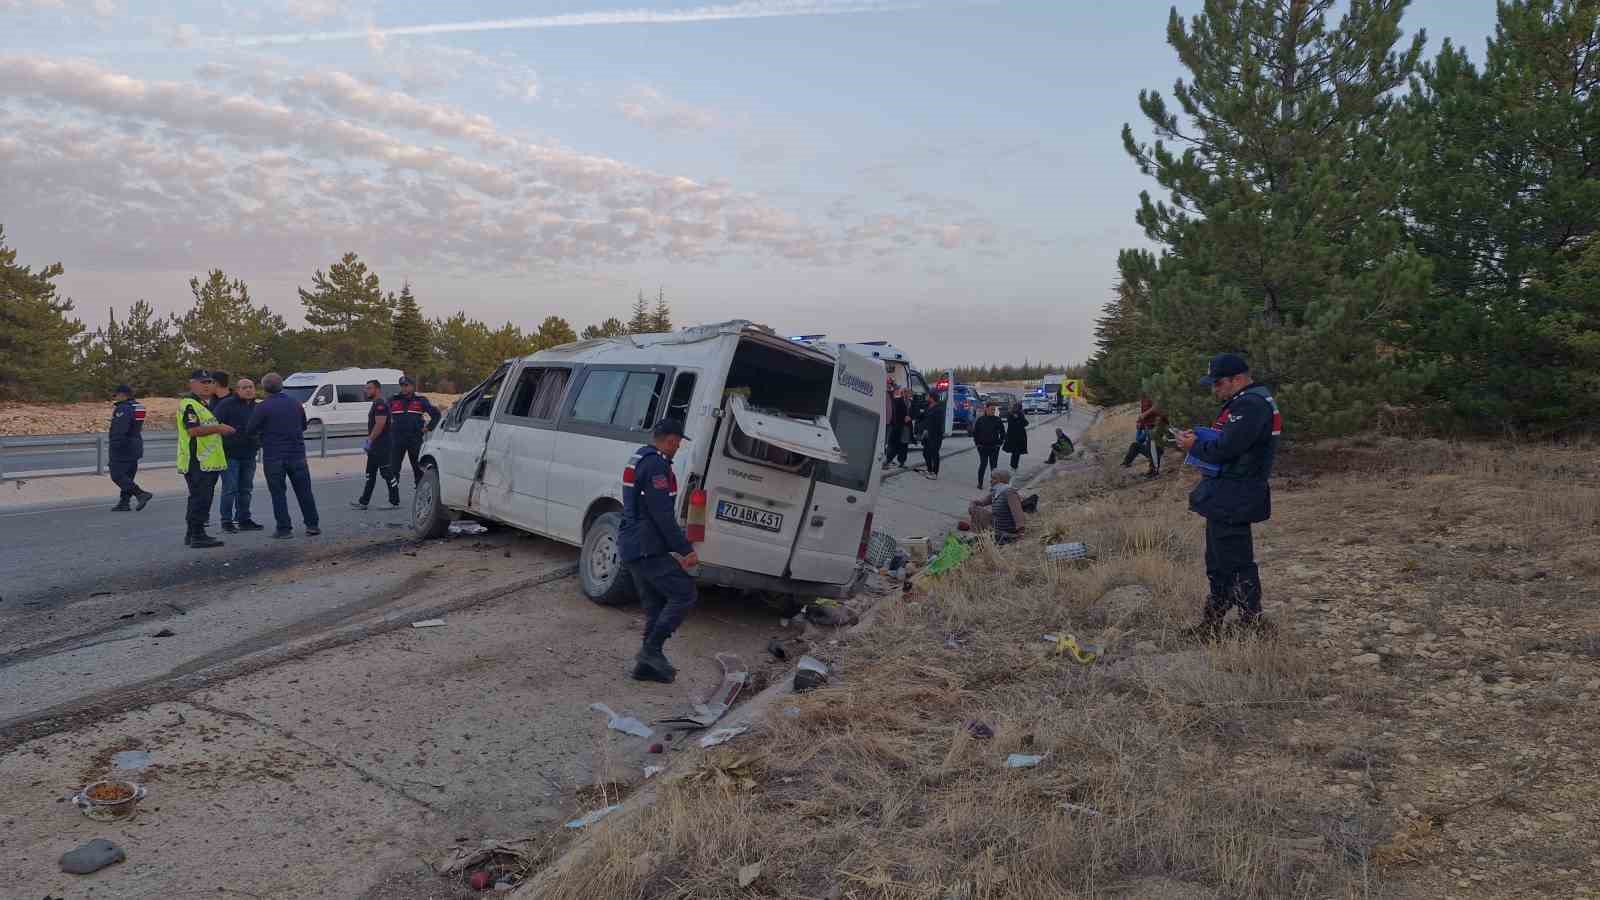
(413, 344)
(642, 320)
(611, 327)
(37, 334)
(661, 320)
(1281, 238)
(1503, 195)
(348, 311)
(226, 330)
(145, 350)
(553, 332)
(462, 352)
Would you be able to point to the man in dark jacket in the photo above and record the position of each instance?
(900, 424)
(932, 427)
(654, 548)
(406, 428)
(1016, 435)
(238, 480)
(378, 447)
(125, 447)
(1238, 495)
(279, 424)
(988, 433)
(223, 389)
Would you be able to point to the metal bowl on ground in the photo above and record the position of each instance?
(110, 799)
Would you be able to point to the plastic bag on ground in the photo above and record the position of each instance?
(624, 724)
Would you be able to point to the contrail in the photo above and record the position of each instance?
(750, 9)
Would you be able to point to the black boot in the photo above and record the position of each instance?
(122, 506)
(201, 541)
(144, 499)
(229, 528)
(652, 665)
(1134, 451)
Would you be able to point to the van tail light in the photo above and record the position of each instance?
(866, 536)
(696, 532)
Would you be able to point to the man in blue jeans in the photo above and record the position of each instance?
(279, 423)
(238, 480)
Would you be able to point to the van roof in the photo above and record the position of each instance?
(599, 348)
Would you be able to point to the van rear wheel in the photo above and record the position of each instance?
(429, 519)
(605, 579)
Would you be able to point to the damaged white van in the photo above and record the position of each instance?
(780, 471)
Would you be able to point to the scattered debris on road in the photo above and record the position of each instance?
(467, 526)
(979, 730)
(1024, 760)
(749, 874)
(624, 724)
(165, 632)
(734, 678)
(1069, 552)
(812, 673)
(91, 857)
(428, 623)
(584, 821)
(723, 735)
(109, 800)
(1067, 645)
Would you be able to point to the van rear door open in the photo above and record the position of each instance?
(757, 483)
(845, 490)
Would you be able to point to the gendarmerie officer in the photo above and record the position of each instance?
(406, 428)
(125, 447)
(378, 446)
(654, 548)
(1238, 495)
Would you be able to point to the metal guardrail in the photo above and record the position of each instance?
(320, 432)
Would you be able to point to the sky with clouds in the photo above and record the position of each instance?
(944, 174)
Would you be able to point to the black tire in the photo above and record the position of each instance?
(605, 580)
(429, 519)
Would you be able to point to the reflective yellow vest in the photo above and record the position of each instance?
(207, 447)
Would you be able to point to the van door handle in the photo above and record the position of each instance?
(816, 521)
(850, 499)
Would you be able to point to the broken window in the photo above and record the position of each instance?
(539, 392)
(641, 397)
(682, 397)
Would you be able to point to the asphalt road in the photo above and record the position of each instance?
(52, 556)
(159, 451)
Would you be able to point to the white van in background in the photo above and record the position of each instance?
(779, 477)
(339, 397)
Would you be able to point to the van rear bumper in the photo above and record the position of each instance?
(755, 581)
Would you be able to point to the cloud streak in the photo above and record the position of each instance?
(751, 9)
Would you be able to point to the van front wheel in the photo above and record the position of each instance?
(605, 579)
(429, 519)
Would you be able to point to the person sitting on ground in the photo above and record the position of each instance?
(1000, 509)
(1062, 448)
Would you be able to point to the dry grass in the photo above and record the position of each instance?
(1245, 769)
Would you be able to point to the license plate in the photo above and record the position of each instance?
(764, 519)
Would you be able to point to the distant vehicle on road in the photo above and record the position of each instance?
(1037, 401)
(779, 477)
(1005, 400)
(897, 366)
(339, 397)
(964, 400)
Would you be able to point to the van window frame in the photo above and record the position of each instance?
(458, 414)
(580, 378)
(332, 395)
(504, 414)
(360, 396)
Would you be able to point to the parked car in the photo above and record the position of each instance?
(1037, 401)
(895, 363)
(339, 397)
(1004, 400)
(964, 400)
(779, 475)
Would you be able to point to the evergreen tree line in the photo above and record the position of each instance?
(1026, 371)
(48, 355)
(1373, 230)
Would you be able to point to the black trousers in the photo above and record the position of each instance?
(988, 458)
(896, 450)
(1231, 572)
(666, 592)
(407, 445)
(1016, 459)
(122, 475)
(378, 464)
(202, 490)
(930, 452)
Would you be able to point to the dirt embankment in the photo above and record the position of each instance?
(80, 418)
(1420, 725)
